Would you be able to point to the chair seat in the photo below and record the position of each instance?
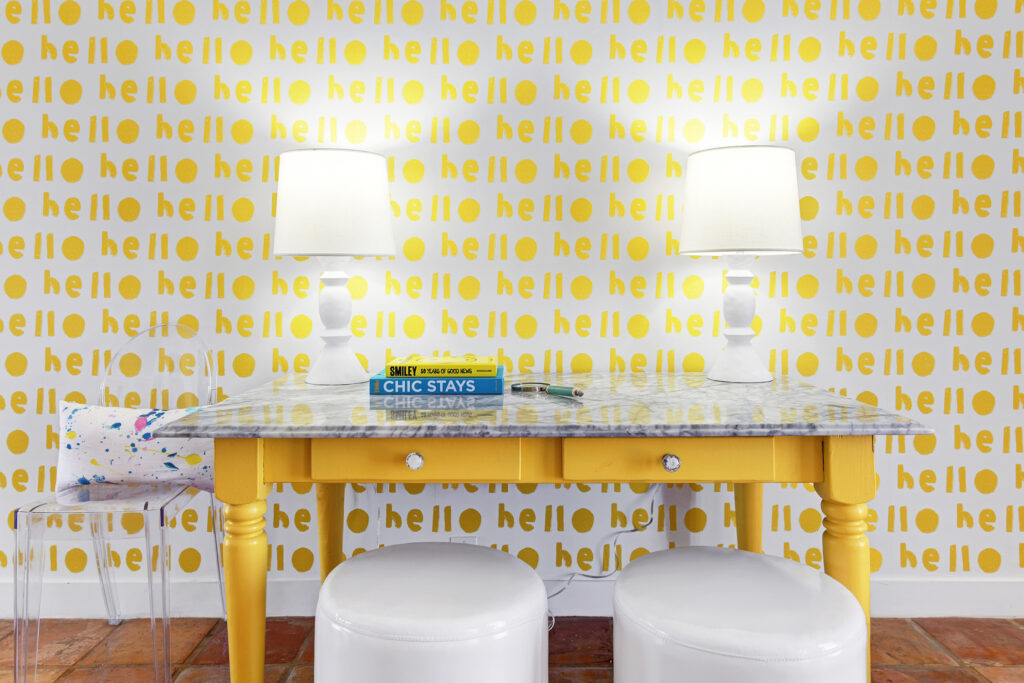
(737, 616)
(121, 498)
(432, 613)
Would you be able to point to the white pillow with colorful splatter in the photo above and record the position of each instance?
(117, 446)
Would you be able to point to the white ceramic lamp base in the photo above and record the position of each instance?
(738, 362)
(337, 362)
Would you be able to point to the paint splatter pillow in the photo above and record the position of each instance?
(116, 446)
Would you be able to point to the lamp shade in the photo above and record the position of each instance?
(333, 202)
(741, 200)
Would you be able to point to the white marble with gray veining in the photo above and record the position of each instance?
(621, 404)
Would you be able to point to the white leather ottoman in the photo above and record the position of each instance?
(715, 614)
(432, 613)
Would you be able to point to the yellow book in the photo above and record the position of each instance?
(467, 365)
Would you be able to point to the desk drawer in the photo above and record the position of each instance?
(735, 459)
(443, 460)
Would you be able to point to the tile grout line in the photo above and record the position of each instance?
(202, 641)
(195, 648)
(972, 667)
(69, 669)
(102, 640)
(900, 666)
(302, 647)
(923, 631)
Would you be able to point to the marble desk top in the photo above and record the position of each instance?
(620, 404)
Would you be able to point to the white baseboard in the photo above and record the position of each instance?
(947, 598)
(585, 597)
(285, 597)
(890, 598)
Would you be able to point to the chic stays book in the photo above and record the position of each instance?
(471, 402)
(442, 366)
(446, 407)
(382, 385)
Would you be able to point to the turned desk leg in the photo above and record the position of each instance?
(239, 484)
(748, 516)
(330, 525)
(849, 483)
(245, 578)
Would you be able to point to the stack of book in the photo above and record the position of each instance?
(444, 375)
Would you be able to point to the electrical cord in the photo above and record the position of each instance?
(615, 545)
(650, 494)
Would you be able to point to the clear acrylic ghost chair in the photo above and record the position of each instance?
(146, 372)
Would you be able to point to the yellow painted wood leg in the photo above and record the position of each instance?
(245, 584)
(845, 548)
(330, 525)
(848, 484)
(748, 516)
(238, 482)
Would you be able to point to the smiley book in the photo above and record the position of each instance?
(382, 385)
(466, 365)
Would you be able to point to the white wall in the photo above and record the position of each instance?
(941, 500)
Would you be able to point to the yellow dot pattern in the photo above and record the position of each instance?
(536, 153)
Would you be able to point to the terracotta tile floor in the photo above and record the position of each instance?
(903, 650)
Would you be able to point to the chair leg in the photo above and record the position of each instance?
(99, 544)
(218, 540)
(28, 580)
(156, 577)
(165, 595)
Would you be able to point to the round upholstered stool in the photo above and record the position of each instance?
(432, 613)
(715, 614)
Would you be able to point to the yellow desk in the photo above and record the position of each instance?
(621, 431)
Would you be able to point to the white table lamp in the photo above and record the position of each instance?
(334, 204)
(741, 202)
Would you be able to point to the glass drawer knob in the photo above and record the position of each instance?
(414, 461)
(671, 462)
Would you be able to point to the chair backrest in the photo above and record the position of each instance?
(160, 369)
(165, 366)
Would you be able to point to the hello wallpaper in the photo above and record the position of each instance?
(536, 153)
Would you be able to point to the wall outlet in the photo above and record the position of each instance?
(463, 539)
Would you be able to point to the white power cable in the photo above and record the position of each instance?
(615, 546)
(650, 494)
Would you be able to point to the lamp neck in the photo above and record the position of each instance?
(334, 266)
(741, 262)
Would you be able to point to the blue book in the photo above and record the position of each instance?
(381, 385)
